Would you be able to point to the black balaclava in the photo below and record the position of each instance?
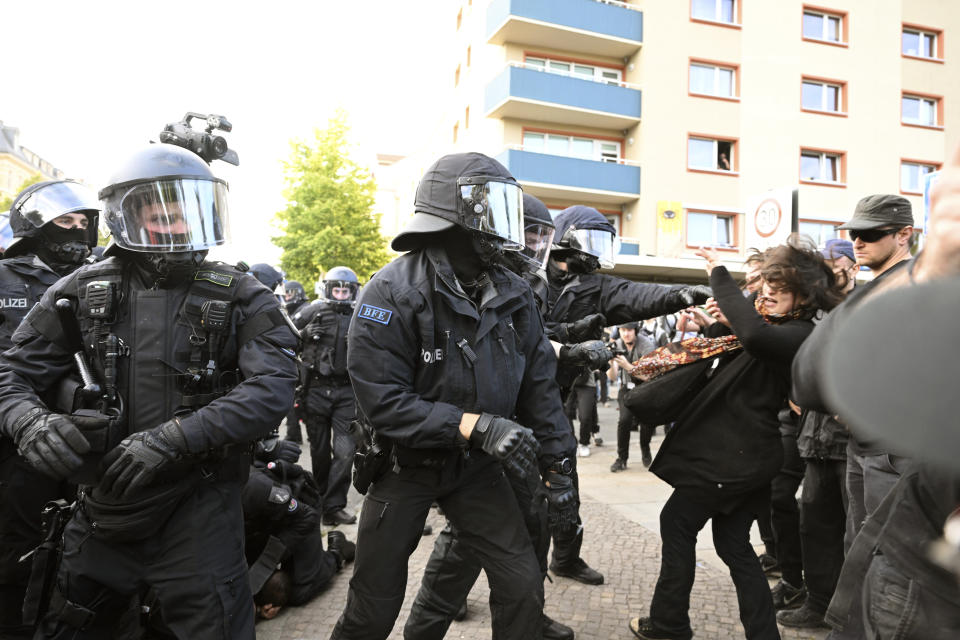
(63, 250)
(580, 262)
(168, 269)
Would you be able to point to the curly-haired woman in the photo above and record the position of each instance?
(725, 447)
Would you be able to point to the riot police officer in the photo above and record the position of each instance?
(54, 225)
(186, 362)
(585, 241)
(445, 347)
(294, 296)
(326, 398)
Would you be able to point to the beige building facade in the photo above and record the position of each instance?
(674, 117)
(17, 163)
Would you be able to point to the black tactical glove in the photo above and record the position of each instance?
(688, 296)
(273, 448)
(562, 501)
(50, 442)
(588, 328)
(141, 457)
(592, 353)
(510, 443)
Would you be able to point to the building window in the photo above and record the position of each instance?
(819, 232)
(920, 110)
(456, 131)
(714, 10)
(920, 44)
(572, 146)
(466, 118)
(710, 229)
(713, 80)
(822, 26)
(575, 69)
(911, 175)
(821, 96)
(710, 155)
(468, 56)
(821, 166)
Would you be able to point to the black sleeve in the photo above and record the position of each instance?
(305, 314)
(381, 359)
(774, 343)
(538, 406)
(623, 300)
(806, 372)
(253, 408)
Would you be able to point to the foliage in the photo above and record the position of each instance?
(329, 218)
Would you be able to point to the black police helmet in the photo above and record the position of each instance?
(40, 204)
(438, 203)
(267, 275)
(535, 212)
(339, 277)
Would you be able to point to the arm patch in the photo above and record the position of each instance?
(375, 314)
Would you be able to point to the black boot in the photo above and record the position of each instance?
(553, 630)
(343, 549)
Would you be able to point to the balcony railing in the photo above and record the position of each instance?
(561, 177)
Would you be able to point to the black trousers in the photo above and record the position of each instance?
(604, 386)
(329, 411)
(293, 425)
(478, 500)
(680, 521)
(626, 423)
(785, 513)
(23, 493)
(194, 563)
(582, 402)
(453, 569)
(823, 512)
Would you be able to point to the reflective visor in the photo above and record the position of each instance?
(538, 239)
(178, 214)
(597, 242)
(493, 207)
(54, 200)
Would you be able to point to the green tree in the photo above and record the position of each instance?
(329, 218)
(6, 202)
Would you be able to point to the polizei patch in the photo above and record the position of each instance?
(370, 312)
(215, 277)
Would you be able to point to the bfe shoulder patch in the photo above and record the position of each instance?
(222, 279)
(374, 314)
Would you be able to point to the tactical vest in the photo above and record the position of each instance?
(325, 343)
(162, 352)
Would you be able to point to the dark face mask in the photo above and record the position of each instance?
(63, 249)
(488, 252)
(170, 268)
(579, 262)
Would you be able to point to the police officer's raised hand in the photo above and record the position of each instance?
(592, 353)
(273, 448)
(562, 501)
(695, 294)
(512, 444)
(141, 457)
(50, 442)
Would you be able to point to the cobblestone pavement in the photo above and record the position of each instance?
(619, 514)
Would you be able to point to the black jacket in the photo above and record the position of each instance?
(821, 437)
(727, 444)
(22, 282)
(421, 354)
(807, 366)
(156, 325)
(323, 330)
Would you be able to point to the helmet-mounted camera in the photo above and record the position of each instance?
(203, 143)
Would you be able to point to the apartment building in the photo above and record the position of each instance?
(674, 118)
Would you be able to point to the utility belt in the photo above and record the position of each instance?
(331, 381)
(410, 458)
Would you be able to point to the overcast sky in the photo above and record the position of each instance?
(87, 83)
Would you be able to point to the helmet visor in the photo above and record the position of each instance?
(178, 214)
(493, 207)
(597, 242)
(54, 200)
(537, 241)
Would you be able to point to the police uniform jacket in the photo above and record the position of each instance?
(324, 328)
(155, 326)
(22, 282)
(421, 353)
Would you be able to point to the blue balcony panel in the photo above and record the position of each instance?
(583, 26)
(558, 177)
(528, 94)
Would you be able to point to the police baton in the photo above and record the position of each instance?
(75, 343)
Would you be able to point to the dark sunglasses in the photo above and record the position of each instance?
(871, 235)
